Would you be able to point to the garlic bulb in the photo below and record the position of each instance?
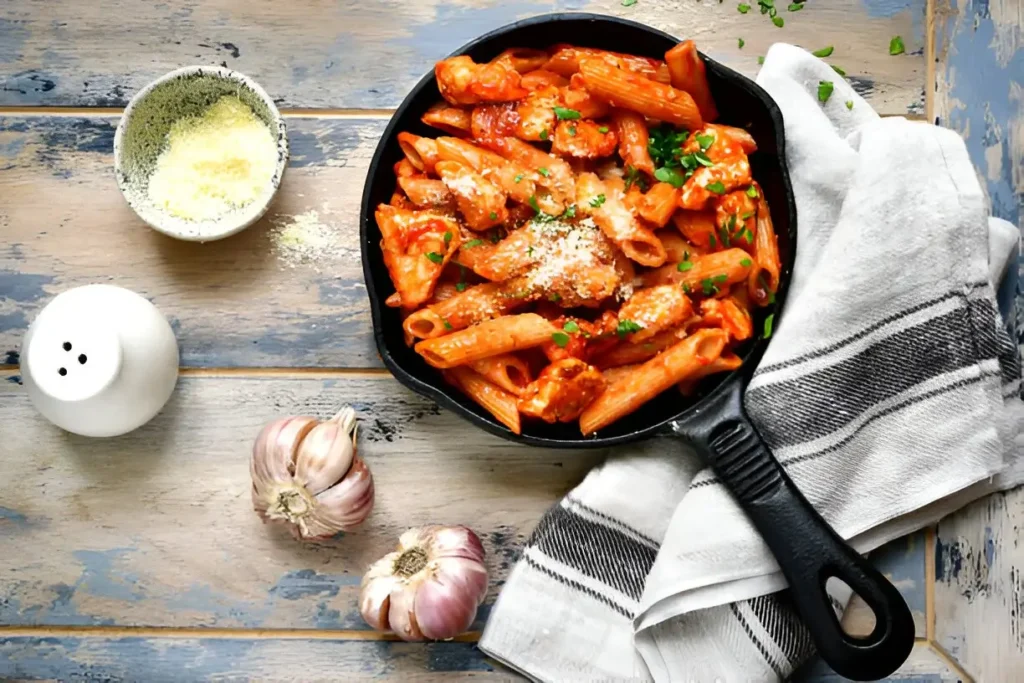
(307, 474)
(430, 587)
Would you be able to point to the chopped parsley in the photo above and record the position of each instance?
(532, 201)
(472, 243)
(730, 224)
(752, 192)
(665, 145)
(795, 7)
(724, 233)
(684, 266)
(494, 236)
(768, 322)
(627, 327)
(566, 114)
(779, 21)
(686, 288)
(712, 241)
(837, 70)
(742, 9)
(702, 159)
(896, 46)
(447, 325)
(435, 257)
(571, 326)
(719, 279)
(555, 297)
(544, 172)
(717, 187)
(823, 52)
(632, 176)
(602, 130)
(849, 104)
(544, 134)
(518, 178)
(529, 251)
(704, 141)
(570, 211)
(494, 215)
(628, 3)
(747, 235)
(571, 130)
(708, 286)
(560, 338)
(460, 286)
(825, 90)
(447, 238)
(747, 215)
(597, 201)
(760, 59)
(746, 263)
(740, 42)
(672, 176)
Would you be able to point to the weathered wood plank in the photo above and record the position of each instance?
(156, 528)
(923, 666)
(979, 92)
(168, 660)
(286, 292)
(368, 55)
(979, 591)
(903, 562)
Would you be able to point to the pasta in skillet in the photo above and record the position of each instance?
(580, 236)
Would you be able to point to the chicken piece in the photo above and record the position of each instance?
(583, 139)
(651, 310)
(562, 391)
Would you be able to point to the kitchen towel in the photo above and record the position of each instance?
(890, 392)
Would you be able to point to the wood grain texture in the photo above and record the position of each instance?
(924, 665)
(156, 528)
(287, 292)
(330, 54)
(903, 562)
(979, 590)
(170, 660)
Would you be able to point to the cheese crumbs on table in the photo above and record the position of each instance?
(575, 166)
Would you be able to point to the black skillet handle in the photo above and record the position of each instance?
(808, 551)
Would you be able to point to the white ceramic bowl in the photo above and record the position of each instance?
(143, 130)
(99, 360)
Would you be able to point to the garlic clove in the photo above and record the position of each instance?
(274, 450)
(447, 603)
(457, 541)
(402, 614)
(345, 504)
(324, 457)
(375, 592)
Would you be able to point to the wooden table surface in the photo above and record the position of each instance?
(139, 557)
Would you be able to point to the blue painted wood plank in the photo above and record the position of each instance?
(159, 660)
(368, 55)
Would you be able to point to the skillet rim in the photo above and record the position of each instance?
(439, 393)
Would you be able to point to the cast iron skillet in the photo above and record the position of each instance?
(808, 551)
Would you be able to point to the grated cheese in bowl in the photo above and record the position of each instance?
(213, 163)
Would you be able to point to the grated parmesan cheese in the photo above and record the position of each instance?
(462, 184)
(214, 163)
(565, 255)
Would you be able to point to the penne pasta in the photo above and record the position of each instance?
(566, 61)
(674, 365)
(560, 249)
(473, 305)
(763, 280)
(499, 403)
(653, 310)
(727, 362)
(507, 371)
(686, 72)
(633, 139)
(452, 120)
(658, 204)
(488, 338)
(426, 192)
(708, 274)
(605, 204)
(625, 89)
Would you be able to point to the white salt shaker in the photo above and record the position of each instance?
(99, 360)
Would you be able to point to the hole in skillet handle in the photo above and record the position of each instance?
(808, 551)
(741, 103)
